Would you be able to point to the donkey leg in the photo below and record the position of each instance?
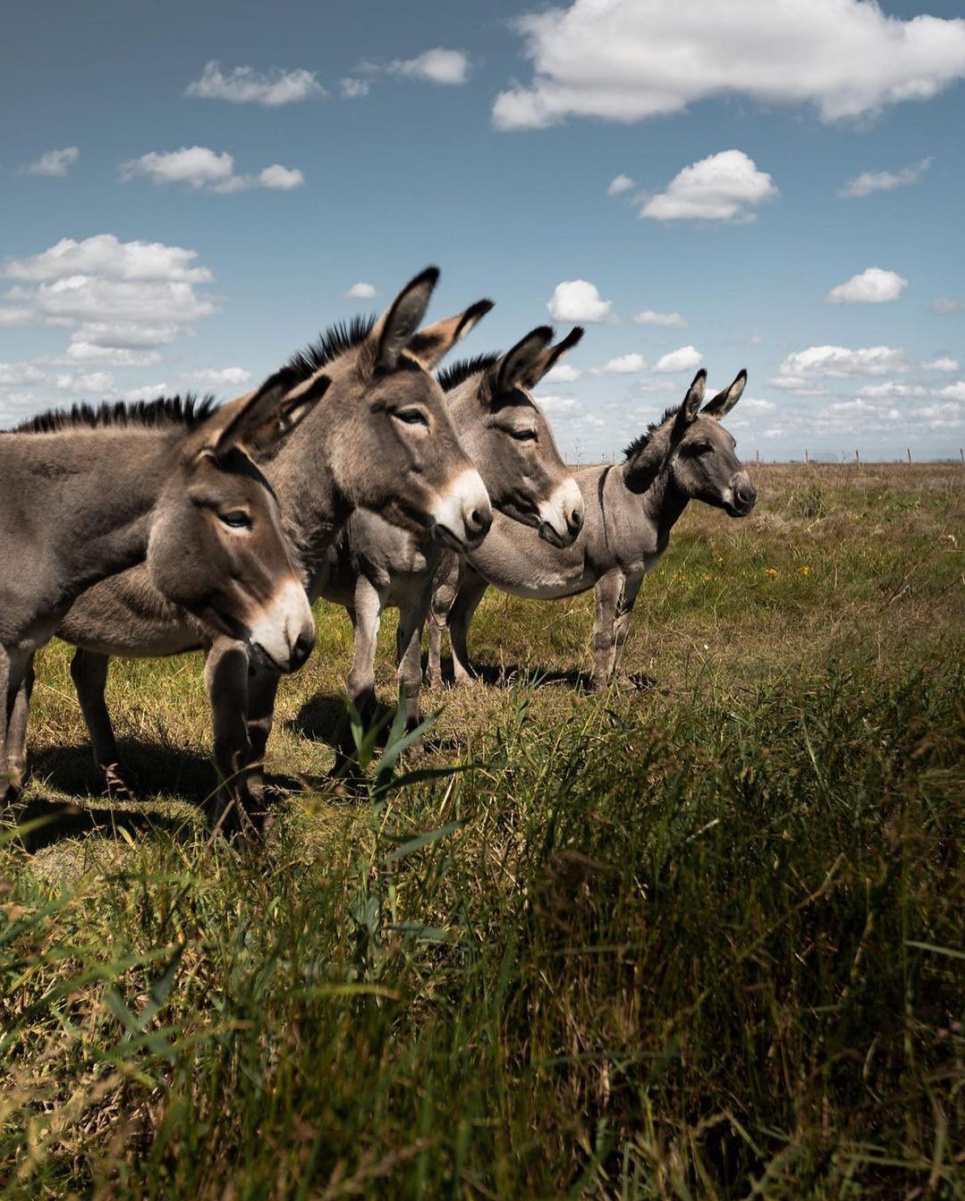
(16, 744)
(262, 690)
(621, 624)
(369, 603)
(412, 620)
(226, 679)
(607, 593)
(472, 587)
(13, 669)
(88, 670)
(444, 588)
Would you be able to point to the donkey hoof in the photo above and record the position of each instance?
(116, 787)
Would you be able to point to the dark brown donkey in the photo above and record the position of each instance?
(383, 441)
(89, 493)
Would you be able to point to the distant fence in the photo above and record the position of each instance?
(820, 459)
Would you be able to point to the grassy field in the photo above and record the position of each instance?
(700, 938)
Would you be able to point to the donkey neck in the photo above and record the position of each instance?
(638, 523)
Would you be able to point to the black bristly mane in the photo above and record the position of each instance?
(451, 377)
(188, 411)
(639, 443)
(336, 340)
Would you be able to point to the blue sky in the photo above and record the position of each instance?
(332, 145)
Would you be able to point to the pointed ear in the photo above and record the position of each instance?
(509, 371)
(549, 358)
(260, 421)
(687, 413)
(394, 330)
(430, 344)
(724, 401)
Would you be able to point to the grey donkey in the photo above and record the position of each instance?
(631, 508)
(374, 565)
(87, 494)
(382, 441)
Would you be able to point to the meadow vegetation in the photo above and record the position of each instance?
(703, 936)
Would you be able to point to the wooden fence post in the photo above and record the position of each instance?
(807, 457)
(856, 457)
(909, 456)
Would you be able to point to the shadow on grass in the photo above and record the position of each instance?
(506, 675)
(149, 769)
(62, 820)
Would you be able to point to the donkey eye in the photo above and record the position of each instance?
(236, 519)
(412, 417)
(523, 435)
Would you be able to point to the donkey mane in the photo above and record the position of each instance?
(457, 373)
(335, 341)
(643, 440)
(165, 412)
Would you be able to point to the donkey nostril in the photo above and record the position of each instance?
(477, 521)
(576, 520)
(302, 648)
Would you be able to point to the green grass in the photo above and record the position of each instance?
(701, 939)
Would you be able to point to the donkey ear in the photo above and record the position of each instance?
(394, 330)
(687, 413)
(549, 358)
(430, 344)
(261, 420)
(516, 364)
(724, 401)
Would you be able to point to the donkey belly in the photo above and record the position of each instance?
(125, 615)
(516, 560)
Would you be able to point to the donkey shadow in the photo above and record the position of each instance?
(529, 675)
(57, 821)
(151, 769)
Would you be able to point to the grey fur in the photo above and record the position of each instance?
(630, 508)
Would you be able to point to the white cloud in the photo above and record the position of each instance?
(670, 320)
(85, 352)
(92, 298)
(891, 390)
(838, 362)
(88, 383)
(624, 364)
(884, 181)
(105, 256)
(54, 162)
(954, 391)
(353, 88)
(562, 373)
(14, 316)
(13, 375)
(235, 377)
(578, 300)
(559, 404)
(127, 335)
(722, 187)
(945, 416)
(245, 85)
(446, 67)
(944, 363)
(361, 291)
(148, 392)
(873, 286)
(687, 358)
(626, 60)
(202, 169)
(948, 304)
(621, 184)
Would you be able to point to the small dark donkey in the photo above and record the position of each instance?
(631, 509)
(86, 494)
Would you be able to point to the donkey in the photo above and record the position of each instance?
(384, 442)
(630, 510)
(374, 564)
(89, 493)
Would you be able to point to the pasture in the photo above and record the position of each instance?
(700, 938)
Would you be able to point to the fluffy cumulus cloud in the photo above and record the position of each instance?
(687, 358)
(722, 187)
(361, 291)
(54, 162)
(954, 391)
(231, 377)
(838, 362)
(943, 363)
(578, 300)
(626, 60)
(120, 300)
(202, 169)
(562, 373)
(948, 304)
(884, 181)
(620, 184)
(244, 85)
(87, 383)
(353, 88)
(448, 68)
(668, 320)
(873, 286)
(624, 364)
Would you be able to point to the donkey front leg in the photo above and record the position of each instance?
(262, 690)
(445, 585)
(472, 588)
(226, 678)
(88, 670)
(16, 686)
(412, 620)
(607, 594)
(369, 603)
(621, 624)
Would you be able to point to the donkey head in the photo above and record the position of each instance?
(216, 545)
(704, 464)
(390, 444)
(509, 439)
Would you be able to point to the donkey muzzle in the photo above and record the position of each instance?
(743, 496)
(283, 634)
(463, 514)
(561, 516)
